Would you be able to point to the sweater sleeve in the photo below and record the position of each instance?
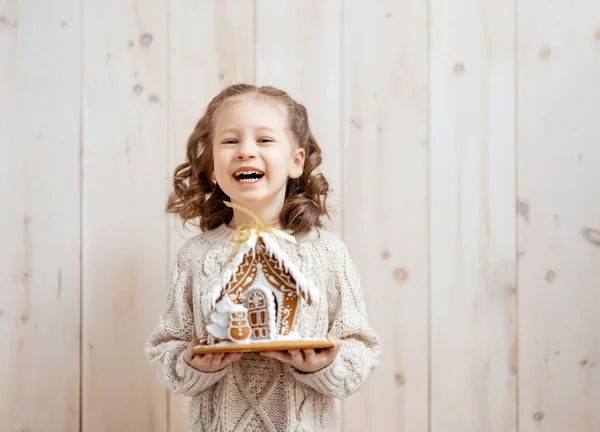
(176, 329)
(361, 347)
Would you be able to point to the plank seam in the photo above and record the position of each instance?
(515, 214)
(169, 164)
(81, 138)
(429, 318)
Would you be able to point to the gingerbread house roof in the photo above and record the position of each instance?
(304, 287)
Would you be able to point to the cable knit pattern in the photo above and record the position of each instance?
(258, 393)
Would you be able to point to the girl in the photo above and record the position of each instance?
(253, 147)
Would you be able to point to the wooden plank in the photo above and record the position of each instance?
(40, 84)
(124, 229)
(385, 202)
(472, 242)
(559, 223)
(298, 49)
(205, 55)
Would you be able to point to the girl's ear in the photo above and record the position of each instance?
(298, 163)
(213, 177)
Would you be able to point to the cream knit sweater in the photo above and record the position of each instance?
(258, 393)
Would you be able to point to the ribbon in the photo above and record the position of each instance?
(243, 232)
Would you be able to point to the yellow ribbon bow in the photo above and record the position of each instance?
(243, 232)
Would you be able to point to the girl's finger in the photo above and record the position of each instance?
(217, 358)
(309, 356)
(206, 359)
(188, 353)
(232, 357)
(297, 357)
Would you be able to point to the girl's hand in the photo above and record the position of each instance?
(208, 362)
(308, 360)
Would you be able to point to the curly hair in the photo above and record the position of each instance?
(196, 196)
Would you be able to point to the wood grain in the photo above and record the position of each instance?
(124, 229)
(385, 159)
(559, 183)
(472, 244)
(40, 98)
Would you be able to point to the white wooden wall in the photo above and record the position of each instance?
(462, 141)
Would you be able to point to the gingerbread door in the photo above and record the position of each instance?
(258, 314)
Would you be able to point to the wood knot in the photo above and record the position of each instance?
(146, 39)
(400, 274)
(356, 122)
(137, 89)
(523, 210)
(538, 416)
(153, 98)
(550, 276)
(584, 362)
(592, 235)
(399, 380)
(459, 68)
(385, 254)
(597, 35)
(544, 52)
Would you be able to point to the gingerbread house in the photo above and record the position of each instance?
(258, 294)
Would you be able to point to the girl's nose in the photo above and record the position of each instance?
(246, 150)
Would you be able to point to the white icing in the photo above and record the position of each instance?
(217, 331)
(226, 306)
(220, 317)
(294, 335)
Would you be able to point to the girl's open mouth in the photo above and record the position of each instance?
(248, 176)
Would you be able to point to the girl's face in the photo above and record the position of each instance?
(253, 153)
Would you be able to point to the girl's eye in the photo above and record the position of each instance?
(229, 141)
(265, 140)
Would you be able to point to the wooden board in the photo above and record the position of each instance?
(559, 216)
(385, 203)
(262, 346)
(40, 98)
(298, 50)
(472, 216)
(204, 56)
(124, 227)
